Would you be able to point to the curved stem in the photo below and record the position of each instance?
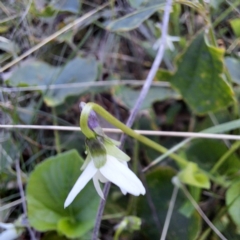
(103, 113)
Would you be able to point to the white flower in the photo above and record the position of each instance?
(114, 171)
(10, 233)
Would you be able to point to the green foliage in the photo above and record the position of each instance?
(68, 6)
(235, 24)
(198, 78)
(116, 43)
(233, 202)
(160, 189)
(206, 152)
(47, 189)
(128, 96)
(34, 73)
(233, 66)
(133, 20)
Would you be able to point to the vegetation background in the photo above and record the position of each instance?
(56, 53)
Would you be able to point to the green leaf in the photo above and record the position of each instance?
(68, 6)
(160, 191)
(193, 176)
(47, 189)
(76, 71)
(129, 96)
(133, 20)
(9, 46)
(206, 152)
(198, 78)
(233, 66)
(224, 127)
(34, 73)
(233, 202)
(235, 24)
(144, 3)
(136, 3)
(188, 209)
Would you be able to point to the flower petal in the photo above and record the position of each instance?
(9, 234)
(84, 178)
(112, 150)
(97, 185)
(86, 162)
(122, 176)
(124, 192)
(102, 178)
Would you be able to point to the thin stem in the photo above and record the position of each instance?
(142, 132)
(24, 206)
(205, 234)
(103, 113)
(100, 211)
(169, 213)
(200, 211)
(154, 68)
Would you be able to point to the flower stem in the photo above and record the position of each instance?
(103, 113)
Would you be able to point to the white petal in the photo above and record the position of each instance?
(122, 176)
(6, 225)
(84, 178)
(124, 192)
(97, 185)
(9, 234)
(102, 178)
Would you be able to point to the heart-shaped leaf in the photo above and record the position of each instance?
(198, 78)
(47, 189)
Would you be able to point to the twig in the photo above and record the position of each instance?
(169, 213)
(201, 213)
(24, 206)
(137, 106)
(154, 68)
(80, 85)
(100, 211)
(114, 130)
(11, 204)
